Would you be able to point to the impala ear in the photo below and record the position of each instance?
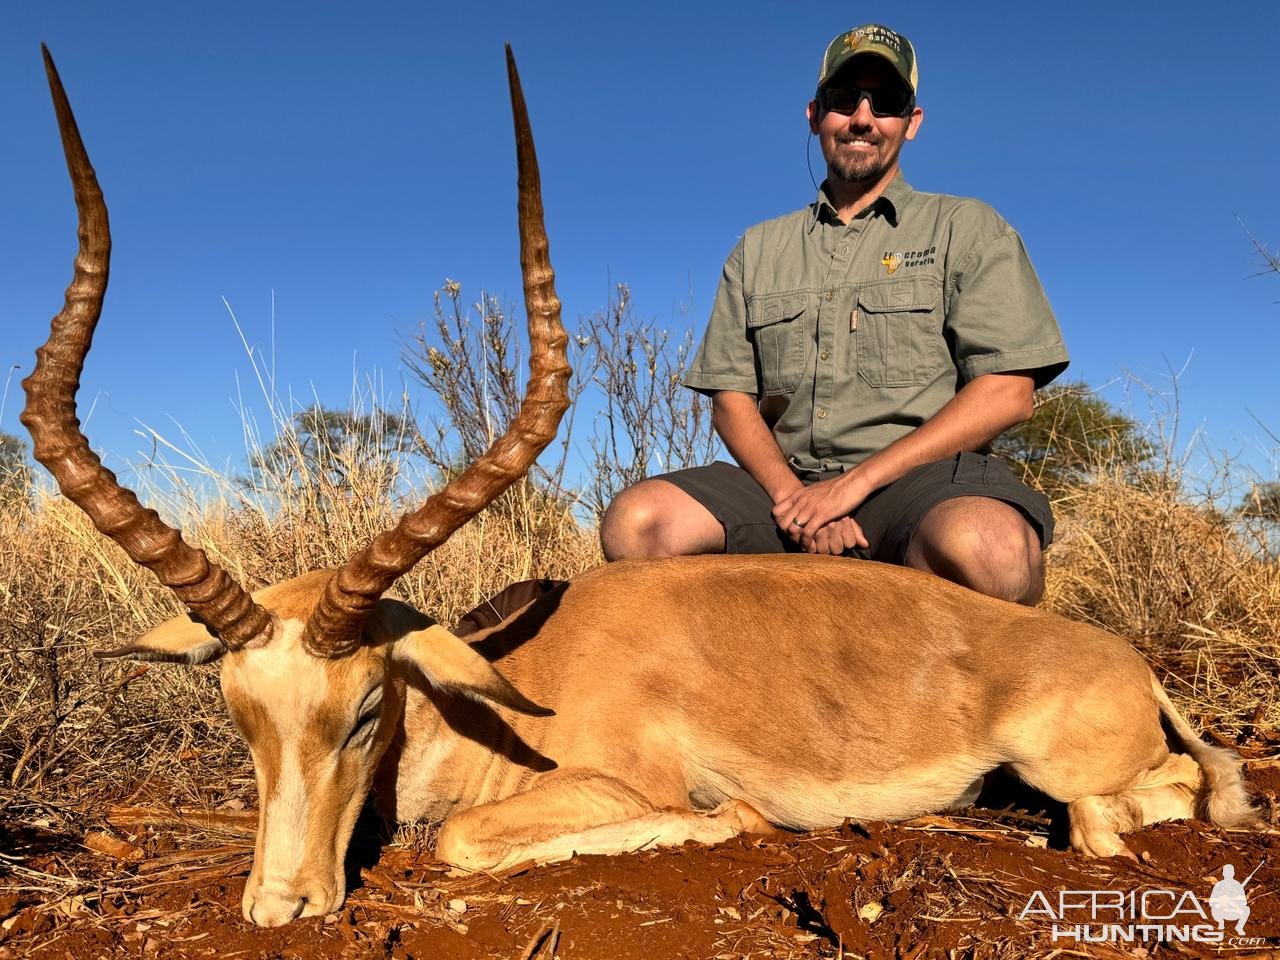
(451, 664)
(184, 639)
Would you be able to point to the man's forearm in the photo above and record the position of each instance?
(982, 410)
(736, 417)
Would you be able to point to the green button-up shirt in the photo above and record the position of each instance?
(854, 334)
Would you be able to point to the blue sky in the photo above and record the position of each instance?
(347, 159)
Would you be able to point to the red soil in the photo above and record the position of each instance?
(943, 887)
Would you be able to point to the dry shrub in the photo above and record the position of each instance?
(648, 423)
(626, 379)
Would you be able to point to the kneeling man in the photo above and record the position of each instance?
(862, 354)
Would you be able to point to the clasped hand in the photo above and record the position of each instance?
(817, 517)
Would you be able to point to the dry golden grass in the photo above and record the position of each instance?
(1185, 584)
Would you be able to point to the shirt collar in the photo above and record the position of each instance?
(891, 202)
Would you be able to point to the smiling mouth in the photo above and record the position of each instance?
(857, 143)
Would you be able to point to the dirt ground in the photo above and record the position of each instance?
(152, 884)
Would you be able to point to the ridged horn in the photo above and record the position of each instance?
(50, 416)
(335, 626)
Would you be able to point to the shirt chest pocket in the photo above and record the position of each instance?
(899, 332)
(777, 326)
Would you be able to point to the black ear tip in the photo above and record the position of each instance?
(522, 703)
(518, 701)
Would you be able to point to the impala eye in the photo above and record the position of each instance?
(363, 728)
(367, 720)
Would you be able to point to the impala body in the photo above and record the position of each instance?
(692, 698)
(645, 703)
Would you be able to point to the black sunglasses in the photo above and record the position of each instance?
(890, 101)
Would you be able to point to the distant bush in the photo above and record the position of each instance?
(1073, 434)
(15, 470)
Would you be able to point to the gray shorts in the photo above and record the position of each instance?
(888, 517)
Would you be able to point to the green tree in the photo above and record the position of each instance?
(1262, 502)
(333, 452)
(1258, 514)
(15, 471)
(1072, 434)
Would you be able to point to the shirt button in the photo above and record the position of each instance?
(822, 413)
(826, 354)
(831, 295)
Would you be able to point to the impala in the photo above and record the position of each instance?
(645, 703)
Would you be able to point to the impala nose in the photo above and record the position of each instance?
(274, 905)
(274, 908)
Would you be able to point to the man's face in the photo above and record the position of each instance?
(861, 147)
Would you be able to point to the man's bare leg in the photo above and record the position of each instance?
(983, 544)
(655, 518)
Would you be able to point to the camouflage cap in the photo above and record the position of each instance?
(875, 39)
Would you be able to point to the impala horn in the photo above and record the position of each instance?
(50, 415)
(335, 626)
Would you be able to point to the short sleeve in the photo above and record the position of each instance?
(998, 318)
(726, 357)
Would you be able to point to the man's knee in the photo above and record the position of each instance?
(654, 519)
(631, 525)
(985, 545)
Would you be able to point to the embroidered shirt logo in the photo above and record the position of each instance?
(892, 260)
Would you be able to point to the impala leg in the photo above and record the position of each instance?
(1166, 793)
(581, 813)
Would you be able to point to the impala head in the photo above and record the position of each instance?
(313, 669)
(317, 727)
